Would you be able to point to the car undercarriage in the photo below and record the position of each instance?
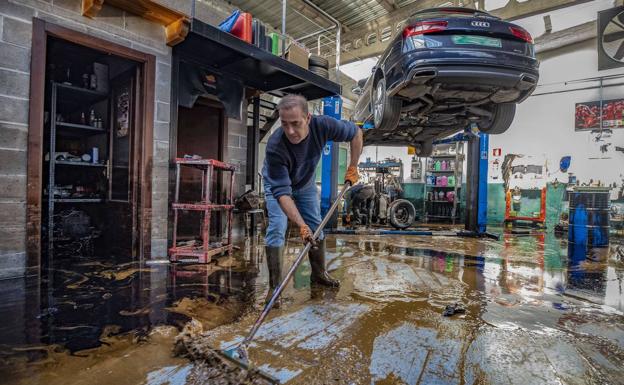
(434, 104)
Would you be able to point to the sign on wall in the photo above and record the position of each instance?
(611, 38)
(587, 115)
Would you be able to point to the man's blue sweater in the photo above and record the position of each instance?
(288, 166)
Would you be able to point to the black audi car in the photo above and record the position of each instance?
(449, 67)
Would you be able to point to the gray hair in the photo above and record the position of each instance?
(291, 101)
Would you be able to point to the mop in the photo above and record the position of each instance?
(237, 354)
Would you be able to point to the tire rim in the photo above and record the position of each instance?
(378, 102)
(401, 215)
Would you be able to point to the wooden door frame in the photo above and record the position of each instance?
(145, 130)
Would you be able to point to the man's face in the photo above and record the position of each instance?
(295, 124)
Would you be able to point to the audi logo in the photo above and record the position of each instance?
(483, 24)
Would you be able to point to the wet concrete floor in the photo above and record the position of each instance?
(536, 312)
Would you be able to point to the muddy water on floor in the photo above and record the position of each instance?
(93, 321)
(533, 315)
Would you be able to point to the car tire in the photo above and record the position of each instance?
(503, 117)
(386, 109)
(317, 61)
(402, 214)
(322, 72)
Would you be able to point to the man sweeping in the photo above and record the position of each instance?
(292, 153)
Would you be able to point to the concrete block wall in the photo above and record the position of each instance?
(15, 47)
(114, 25)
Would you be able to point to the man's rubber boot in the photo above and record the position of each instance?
(317, 262)
(274, 256)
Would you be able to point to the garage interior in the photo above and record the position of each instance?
(88, 136)
(482, 244)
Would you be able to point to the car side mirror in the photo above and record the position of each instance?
(357, 90)
(373, 69)
(361, 83)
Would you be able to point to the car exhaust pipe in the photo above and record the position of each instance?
(527, 82)
(424, 74)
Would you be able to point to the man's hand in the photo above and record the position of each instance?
(307, 235)
(352, 175)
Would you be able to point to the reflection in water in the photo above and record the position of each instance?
(536, 312)
(82, 300)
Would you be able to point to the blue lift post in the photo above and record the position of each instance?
(476, 184)
(484, 144)
(332, 106)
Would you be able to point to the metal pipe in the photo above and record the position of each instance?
(318, 42)
(284, 27)
(316, 33)
(338, 27)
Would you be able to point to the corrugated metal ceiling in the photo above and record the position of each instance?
(301, 21)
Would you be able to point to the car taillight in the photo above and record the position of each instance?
(522, 34)
(424, 27)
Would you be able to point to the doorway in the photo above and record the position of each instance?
(200, 133)
(90, 147)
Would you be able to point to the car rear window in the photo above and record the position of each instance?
(451, 14)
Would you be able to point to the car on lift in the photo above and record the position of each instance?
(449, 67)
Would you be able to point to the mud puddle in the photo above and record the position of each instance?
(535, 313)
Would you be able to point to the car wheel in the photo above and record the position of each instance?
(386, 109)
(503, 117)
(402, 213)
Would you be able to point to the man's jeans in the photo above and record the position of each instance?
(307, 202)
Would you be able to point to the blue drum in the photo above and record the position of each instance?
(589, 217)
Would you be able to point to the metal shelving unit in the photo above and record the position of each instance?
(204, 252)
(69, 98)
(443, 209)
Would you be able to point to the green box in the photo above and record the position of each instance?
(276, 46)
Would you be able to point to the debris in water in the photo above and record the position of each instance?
(453, 309)
(210, 366)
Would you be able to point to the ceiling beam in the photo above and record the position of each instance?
(355, 47)
(555, 40)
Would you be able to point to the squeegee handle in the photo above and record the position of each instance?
(295, 265)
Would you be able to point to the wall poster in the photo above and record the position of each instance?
(587, 115)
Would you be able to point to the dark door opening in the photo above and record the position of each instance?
(89, 139)
(200, 132)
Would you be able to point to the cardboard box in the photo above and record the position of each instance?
(297, 55)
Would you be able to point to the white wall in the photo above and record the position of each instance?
(544, 124)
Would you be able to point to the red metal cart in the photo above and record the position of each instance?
(202, 253)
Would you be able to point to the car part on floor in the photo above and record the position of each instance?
(402, 213)
(238, 352)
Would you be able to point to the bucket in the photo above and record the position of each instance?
(589, 216)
